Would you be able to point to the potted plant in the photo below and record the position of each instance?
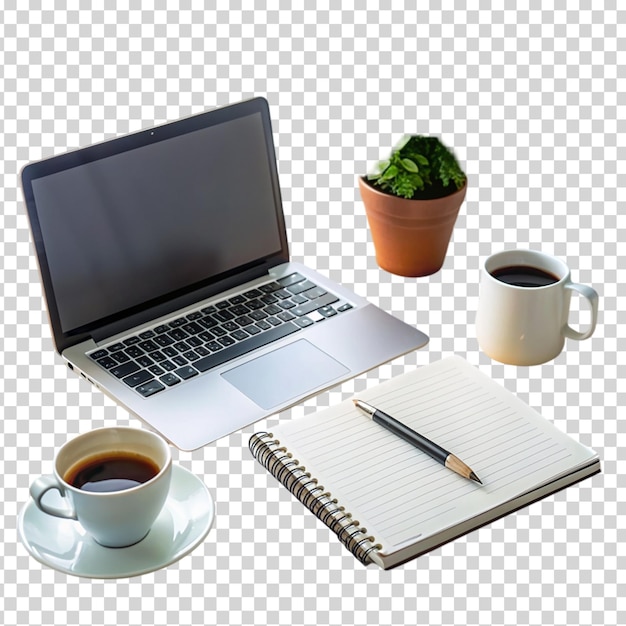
(412, 202)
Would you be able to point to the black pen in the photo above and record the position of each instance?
(419, 441)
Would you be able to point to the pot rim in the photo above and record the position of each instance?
(364, 182)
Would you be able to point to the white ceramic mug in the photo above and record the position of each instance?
(523, 325)
(114, 518)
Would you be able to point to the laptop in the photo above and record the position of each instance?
(166, 272)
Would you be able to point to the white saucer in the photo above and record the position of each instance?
(62, 544)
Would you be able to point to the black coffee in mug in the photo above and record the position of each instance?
(524, 276)
(112, 471)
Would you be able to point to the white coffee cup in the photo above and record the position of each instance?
(117, 518)
(527, 325)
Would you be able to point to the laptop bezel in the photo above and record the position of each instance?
(171, 302)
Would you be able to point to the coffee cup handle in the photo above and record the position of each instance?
(592, 296)
(40, 487)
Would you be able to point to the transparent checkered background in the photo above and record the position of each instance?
(529, 97)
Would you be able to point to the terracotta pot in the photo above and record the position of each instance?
(411, 237)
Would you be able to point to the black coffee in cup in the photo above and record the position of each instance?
(524, 276)
(111, 472)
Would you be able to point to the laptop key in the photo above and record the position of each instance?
(138, 378)
(258, 315)
(191, 355)
(243, 347)
(244, 320)
(313, 305)
(149, 345)
(178, 334)
(240, 309)
(223, 316)
(163, 340)
(304, 321)
(305, 285)
(134, 352)
(269, 287)
(145, 361)
(290, 280)
(208, 322)
(186, 372)
(316, 292)
(124, 369)
(120, 357)
(158, 356)
(192, 328)
(149, 389)
(107, 362)
(255, 304)
(170, 380)
(327, 311)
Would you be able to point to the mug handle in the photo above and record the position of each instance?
(40, 487)
(592, 296)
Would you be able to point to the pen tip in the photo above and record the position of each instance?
(355, 401)
(475, 478)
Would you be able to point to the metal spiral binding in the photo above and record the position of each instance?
(287, 470)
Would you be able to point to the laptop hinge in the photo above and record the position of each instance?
(104, 332)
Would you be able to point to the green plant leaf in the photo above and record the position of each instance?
(390, 172)
(422, 160)
(410, 166)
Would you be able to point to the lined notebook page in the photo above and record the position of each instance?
(399, 493)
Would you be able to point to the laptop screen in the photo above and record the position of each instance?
(136, 225)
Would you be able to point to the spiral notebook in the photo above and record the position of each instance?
(386, 501)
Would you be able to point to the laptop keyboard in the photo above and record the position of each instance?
(161, 357)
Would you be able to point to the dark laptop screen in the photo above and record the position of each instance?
(137, 225)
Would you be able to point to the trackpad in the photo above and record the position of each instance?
(284, 374)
